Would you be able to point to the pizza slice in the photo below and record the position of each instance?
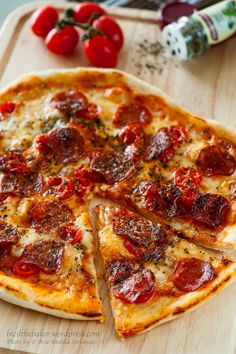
(46, 258)
(153, 275)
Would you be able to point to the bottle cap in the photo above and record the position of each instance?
(172, 11)
(175, 42)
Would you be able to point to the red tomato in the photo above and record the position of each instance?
(24, 269)
(130, 133)
(100, 52)
(61, 187)
(62, 41)
(111, 29)
(43, 21)
(187, 176)
(7, 108)
(83, 12)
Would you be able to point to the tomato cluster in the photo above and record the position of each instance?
(102, 36)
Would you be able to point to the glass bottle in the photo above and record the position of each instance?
(191, 36)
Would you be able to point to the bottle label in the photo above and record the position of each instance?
(218, 21)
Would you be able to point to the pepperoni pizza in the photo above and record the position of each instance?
(70, 136)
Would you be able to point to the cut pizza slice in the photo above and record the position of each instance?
(46, 258)
(153, 275)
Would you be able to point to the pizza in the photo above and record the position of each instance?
(71, 136)
(154, 275)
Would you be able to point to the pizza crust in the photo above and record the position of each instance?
(17, 292)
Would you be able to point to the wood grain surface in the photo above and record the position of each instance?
(206, 87)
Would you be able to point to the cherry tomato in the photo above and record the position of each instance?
(100, 52)
(111, 29)
(187, 176)
(62, 41)
(130, 133)
(83, 12)
(61, 187)
(24, 269)
(6, 109)
(43, 21)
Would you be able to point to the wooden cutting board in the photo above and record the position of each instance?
(207, 87)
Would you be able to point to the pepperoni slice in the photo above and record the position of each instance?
(47, 255)
(42, 144)
(187, 179)
(114, 166)
(130, 133)
(187, 176)
(137, 229)
(163, 199)
(67, 144)
(70, 102)
(142, 238)
(210, 210)
(24, 184)
(120, 270)
(47, 216)
(131, 113)
(137, 288)
(23, 269)
(13, 162)
(191, 273)
(70, 233)
(86, 176)
(157, 144)
(6, 109)
(177, 134)
(213, 161)
(8, 236)
(61, 187)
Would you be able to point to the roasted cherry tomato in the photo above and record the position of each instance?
(100, 52)
(62, 41)
(187, 176)
(43, 21)
(70, 233)
(111, 29)
(6, 109)
(130, 133)
(83, 12)
(61, 187)
(24, 269)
